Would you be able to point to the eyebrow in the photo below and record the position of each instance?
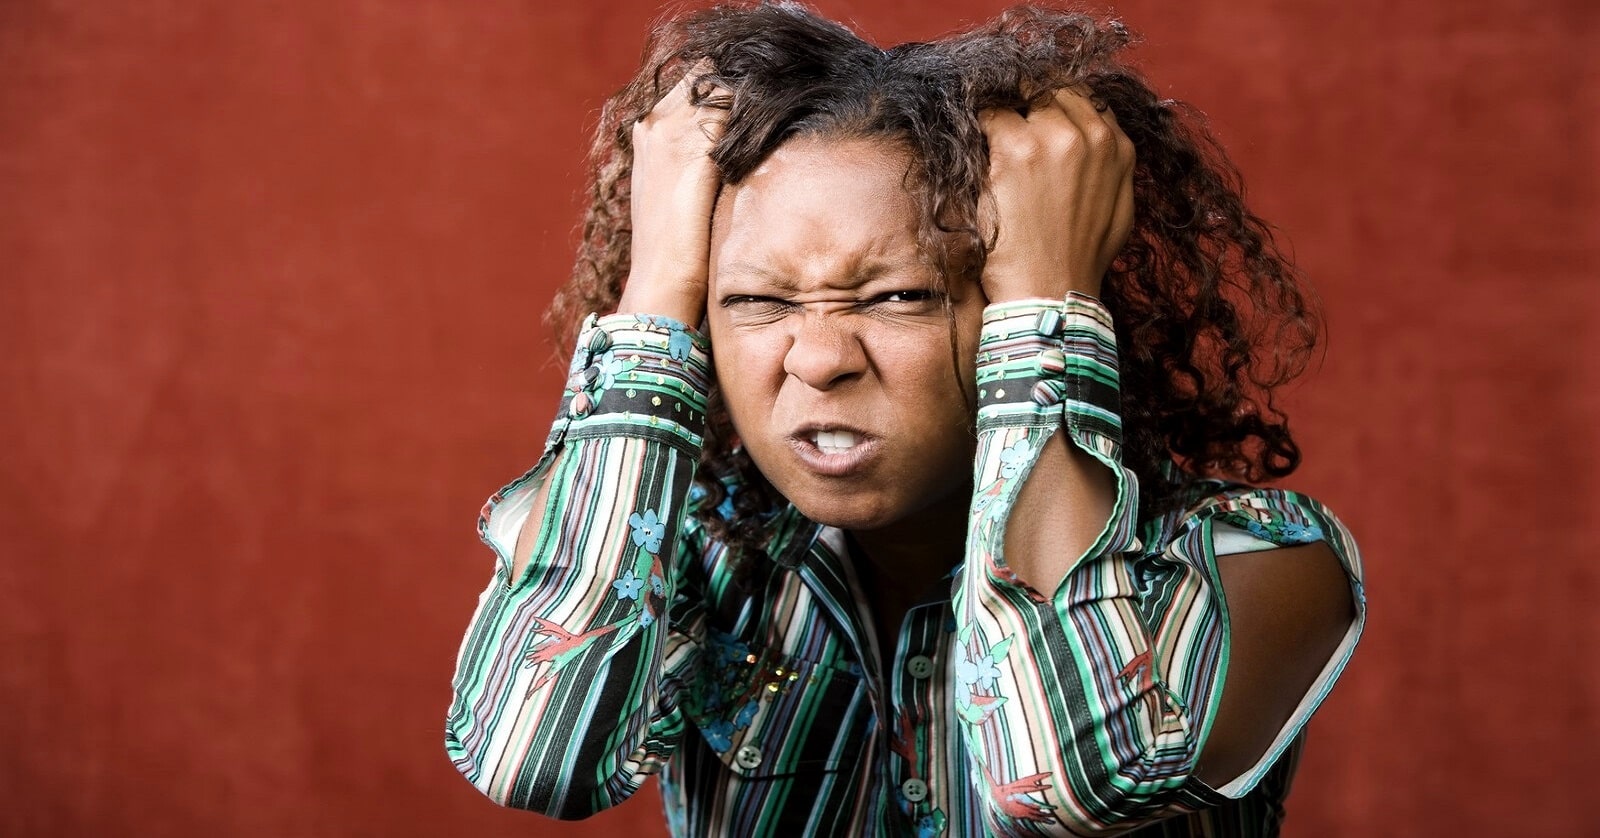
(873, 270)
(760, 271)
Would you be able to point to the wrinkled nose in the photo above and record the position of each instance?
(824, 352)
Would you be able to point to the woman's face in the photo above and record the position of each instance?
(832, 345)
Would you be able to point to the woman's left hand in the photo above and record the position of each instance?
(1061, 185)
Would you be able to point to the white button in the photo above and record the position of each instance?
(920, 666)
(748, 757)
(915, 790)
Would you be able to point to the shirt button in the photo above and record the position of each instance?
(748, 757)
(915, 790)
(920, 666)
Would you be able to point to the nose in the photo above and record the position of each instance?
(824, 352)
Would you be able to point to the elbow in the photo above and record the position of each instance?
(553, 799)
(515, 786)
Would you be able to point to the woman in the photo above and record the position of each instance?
(947, 540)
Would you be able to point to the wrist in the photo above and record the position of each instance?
(1003, 284)
(647, 296)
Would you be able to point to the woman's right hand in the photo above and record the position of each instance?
(674, 190)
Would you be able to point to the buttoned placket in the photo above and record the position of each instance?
(907, 696)
(915, 691)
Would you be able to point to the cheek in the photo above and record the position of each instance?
(948, 383)
(749, 371)
(926, 382)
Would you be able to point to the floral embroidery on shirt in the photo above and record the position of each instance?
(977, 673)
(648, 530)
(931, 824)
(628, 586)
(678, 344)
(735, 681)
(1275, 530)
(1014, 458)
(726, 688)
(612, 366)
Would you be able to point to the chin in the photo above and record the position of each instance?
(847, 510)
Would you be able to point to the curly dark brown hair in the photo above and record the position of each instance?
(1210, 315)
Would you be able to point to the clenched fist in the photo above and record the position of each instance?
(1061, 188)
(674, 189)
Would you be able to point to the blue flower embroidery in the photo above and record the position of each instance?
(1299, 533)
(610, 367)
(1280, 532)
(628, 586)
(648, 530)
(646, 619)
(730, 649)
(1013, 459)
(678, 345)
(719, 735)
(657, 585)
(981, 674)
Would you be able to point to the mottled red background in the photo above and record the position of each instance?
(270, 281)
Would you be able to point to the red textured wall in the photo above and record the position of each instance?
(270, 277)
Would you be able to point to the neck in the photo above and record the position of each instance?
(914, 551)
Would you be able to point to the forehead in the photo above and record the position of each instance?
(818, 206)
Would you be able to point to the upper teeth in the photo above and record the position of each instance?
(835, 442)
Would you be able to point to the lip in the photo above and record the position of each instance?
(833, 465)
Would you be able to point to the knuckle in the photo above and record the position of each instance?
(1027, 150)
(1100, 137)
(1014, 145)
(1067, 144)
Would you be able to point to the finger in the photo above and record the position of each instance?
(700, 91)
(1123, 213)
(1123, 210)
(1076, 102)
(1097, 124)
(1051, 110)
(1121, 145)
(710, 123)
(1083, 91)
(998, 122)
(679, 98)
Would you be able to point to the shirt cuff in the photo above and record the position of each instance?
(1044, 361)
(636, 375)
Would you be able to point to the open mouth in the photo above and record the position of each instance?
(835, 451)
(834, 442)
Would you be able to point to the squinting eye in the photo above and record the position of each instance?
(740, 299)
(907, 297)
(751, 304)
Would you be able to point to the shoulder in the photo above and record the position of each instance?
(1237, 516)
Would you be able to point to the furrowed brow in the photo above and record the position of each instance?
(750, 270)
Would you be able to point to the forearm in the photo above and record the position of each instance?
(558, 703)
(1072, 726)
(1061, 508)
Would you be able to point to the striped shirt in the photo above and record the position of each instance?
(628, 647)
